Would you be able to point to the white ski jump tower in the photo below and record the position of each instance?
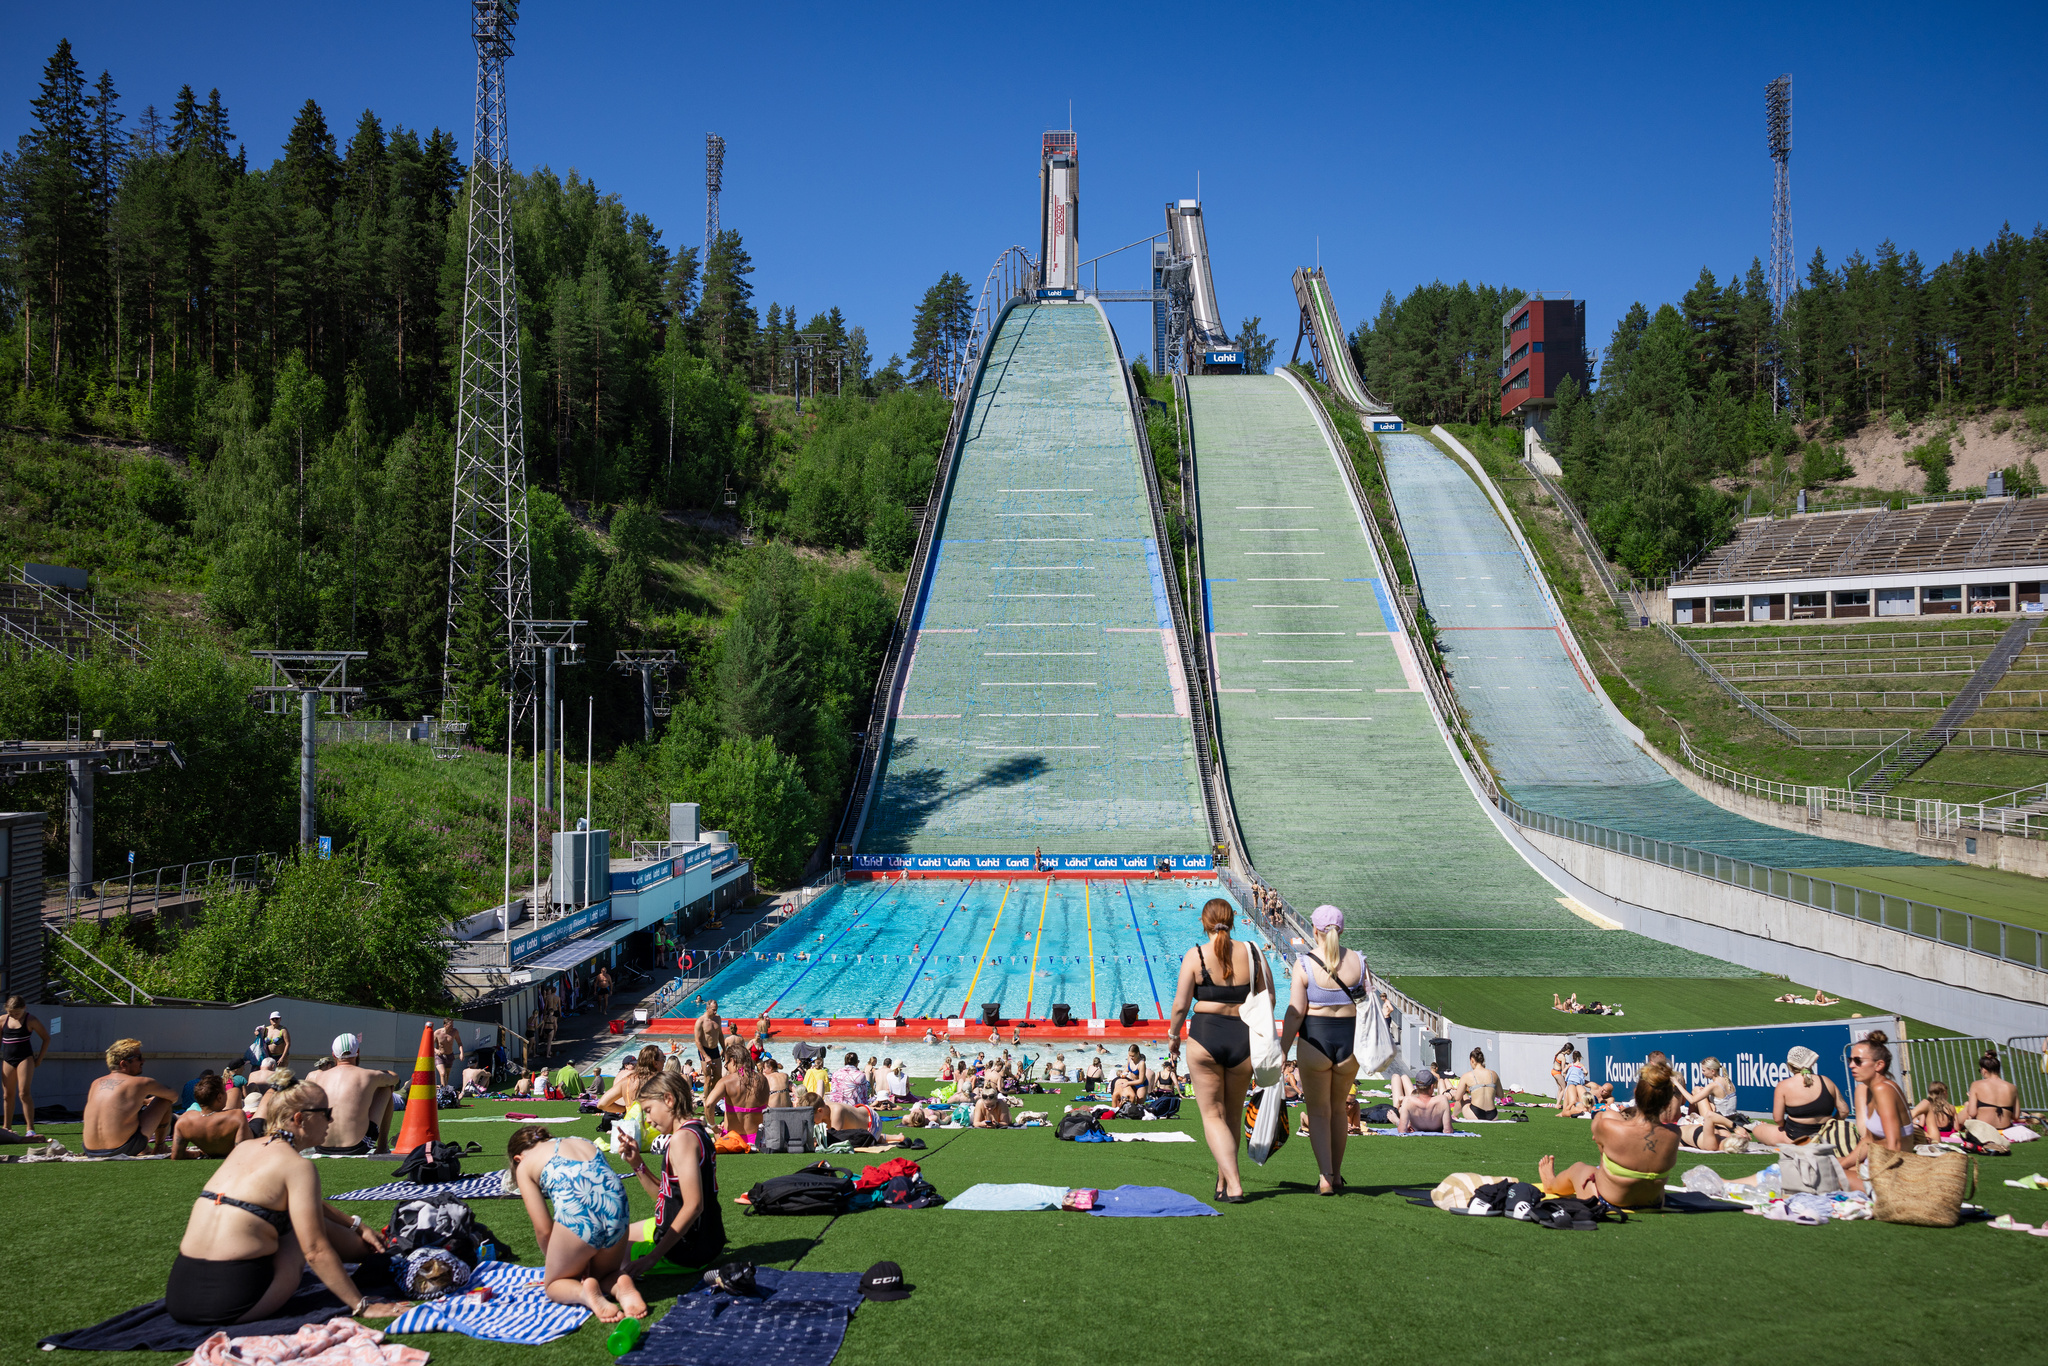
(1059, 216)
(1209, 348)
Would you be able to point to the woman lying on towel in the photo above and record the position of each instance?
(584, 1243)
(689, 1227)
(1637, 1145)
(261, 1219)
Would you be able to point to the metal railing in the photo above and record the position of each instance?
(1954, 1062)
(79, 621)
(1957, 929)
(1998, 737)
(2023, 1068)
(1846, 642)
(176, 882)
(136, 995)
(1740, 698)
(1590, 544)
(1877, 761)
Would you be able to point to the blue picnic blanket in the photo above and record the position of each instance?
(1148, 1202)
(488, 1186)
(800, 1320)
(519, 1309)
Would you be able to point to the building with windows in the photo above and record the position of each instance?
(1543, 339)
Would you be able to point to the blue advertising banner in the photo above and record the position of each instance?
(1753, 1058)
(717, 855)
(1023, 863)
(555, 931)
(634, 880)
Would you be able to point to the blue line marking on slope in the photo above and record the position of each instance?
(1158, 585)
(1379, 591)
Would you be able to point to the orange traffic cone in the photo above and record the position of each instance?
(422, 1100)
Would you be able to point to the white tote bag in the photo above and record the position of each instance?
(1269, 1127)
(1372, 1043)
(1258, 1015)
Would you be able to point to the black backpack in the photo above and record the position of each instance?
(432, 1163)
(821, 1189)
(1130, 1109)
(1163, 1107)
(1074, 1123)
(443, 1222)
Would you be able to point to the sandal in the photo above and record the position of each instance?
(2008, 1223)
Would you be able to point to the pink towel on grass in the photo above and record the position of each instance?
(338, 1342)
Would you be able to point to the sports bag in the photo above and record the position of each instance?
(1162, 1107)
(432, 1163)
(814, 1190)
(786, 1129)
(1075, 1124)
(441, 1222)
(1265, 1122)
(1813, 1169)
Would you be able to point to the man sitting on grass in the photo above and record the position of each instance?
(361, 1097)
(214, 1124)
(1424, 1111)
(125, 1111)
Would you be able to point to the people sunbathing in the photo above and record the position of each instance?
(991, 1112)
(261, 1220)
(1479, 1090)
(1638, 1145)
(1803, 1104)
(1424, 1111)
(214, 1124)
(1819, 998)
(126, 1112)
(583, 1243)
(742, 1091)
(361, 1097)
(1711, 1132)
(1936, 1115)
(1134, 1081)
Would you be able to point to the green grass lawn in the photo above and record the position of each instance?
(1522, 1004)
(2001, 895)
(1287, 1276)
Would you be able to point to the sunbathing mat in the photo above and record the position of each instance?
(1396, 1133)
(343, 1342)
(1675, 1202)
(1148, 1202)
(799, 1320)
(519, 1309)
(489, 1186)
(1173, 1136)
(150, 1328)
(1007, 1198)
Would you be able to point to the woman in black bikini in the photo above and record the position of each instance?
(1215, 979)
(261, 1219)
(1802, 1104)
(18, 1058)
(1322, 1012)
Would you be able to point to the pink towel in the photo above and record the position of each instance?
(337, 1342)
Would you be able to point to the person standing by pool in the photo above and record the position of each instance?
(1321, 1010)
(19, 1056)
(1216, 978)
(584, 1243)
(447, 1048)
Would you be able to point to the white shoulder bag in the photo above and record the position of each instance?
(1258, 1014)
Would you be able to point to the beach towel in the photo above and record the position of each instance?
(1423, 1133)
(519, 1309)
(1177, 1136)
(487, 1186)
(990, 1196)
(150, 1328)
(1148, 1202)
(799, 1320)
(342, 1342)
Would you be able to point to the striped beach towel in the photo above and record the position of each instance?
(488, 1186)
(518, 1311)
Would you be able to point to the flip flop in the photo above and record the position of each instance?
(2008, 1223)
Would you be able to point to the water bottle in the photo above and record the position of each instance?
(624, 1338)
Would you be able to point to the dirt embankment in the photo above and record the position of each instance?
(1879, 455)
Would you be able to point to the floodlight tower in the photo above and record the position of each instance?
(714, 180)
(487, 541)
(1778, 125)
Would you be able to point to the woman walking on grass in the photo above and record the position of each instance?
(1216, 978)
(19, 1056)
(1322, 1011)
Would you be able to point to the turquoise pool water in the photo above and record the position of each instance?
(940, 949)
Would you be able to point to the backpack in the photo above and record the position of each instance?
(814, 1190)
(786, 1129)
(1081, 1127)
(904, 1191)
(1163, 1107)
(1130, 1109)
(430, 1164)
(440, 1222)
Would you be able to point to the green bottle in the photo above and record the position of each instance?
(625, 1337)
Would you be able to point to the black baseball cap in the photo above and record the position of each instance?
(884, 1281)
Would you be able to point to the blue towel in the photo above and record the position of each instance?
(488, 1186)
(150, 1327)
(519, 1310)
(1148, 1202)
(1008, 1198)
(799, 1321)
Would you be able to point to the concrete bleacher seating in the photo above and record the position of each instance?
(1958, 535)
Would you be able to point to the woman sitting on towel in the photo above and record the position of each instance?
(1802, 1104)
(1216, 978)
(260, 1220)
(743, 1091)
(1638, 1145)
(689, 1226)
(1936, 1115)
(1710, 1131)
(584, 1244)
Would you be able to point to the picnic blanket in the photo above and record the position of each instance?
(1675, 1202)
(1148, 1202)
(150, 1328)
(1424, 1133)
(519, 1309)
(487, 1186)
(1174, 1136)
(999, 1197)
(799, 1320)
(340, 1342)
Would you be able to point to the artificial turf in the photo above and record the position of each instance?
(1522, 1004)
(1992, 892)
(1285, 1276)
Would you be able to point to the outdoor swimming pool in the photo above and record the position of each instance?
(941, 949)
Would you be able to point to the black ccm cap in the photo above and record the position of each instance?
(884, 1281)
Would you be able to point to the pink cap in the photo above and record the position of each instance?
(1327, 917)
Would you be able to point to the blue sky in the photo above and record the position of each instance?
(1606, 152)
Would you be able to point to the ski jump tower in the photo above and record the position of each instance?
(1059, 216)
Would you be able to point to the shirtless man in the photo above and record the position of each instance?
(1479, 1090)
(447, 1049)
(710, 1038)
(214, 1125)
(125, 1110)
(1424, 1111)
(361, 1097)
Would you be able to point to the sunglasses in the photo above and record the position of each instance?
(327, 1110)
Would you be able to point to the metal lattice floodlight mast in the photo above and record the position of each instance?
(714, 180)
(308, 675)
(487, 542)
(647, 663)
(1778, 125)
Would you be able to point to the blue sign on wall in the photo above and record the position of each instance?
(1022, 863)
(1752, 1058)
(643, 877)
(1388, 424)
(547, 936)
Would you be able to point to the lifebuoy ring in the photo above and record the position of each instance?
(683, 962)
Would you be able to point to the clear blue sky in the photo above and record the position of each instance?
(1610, 153)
